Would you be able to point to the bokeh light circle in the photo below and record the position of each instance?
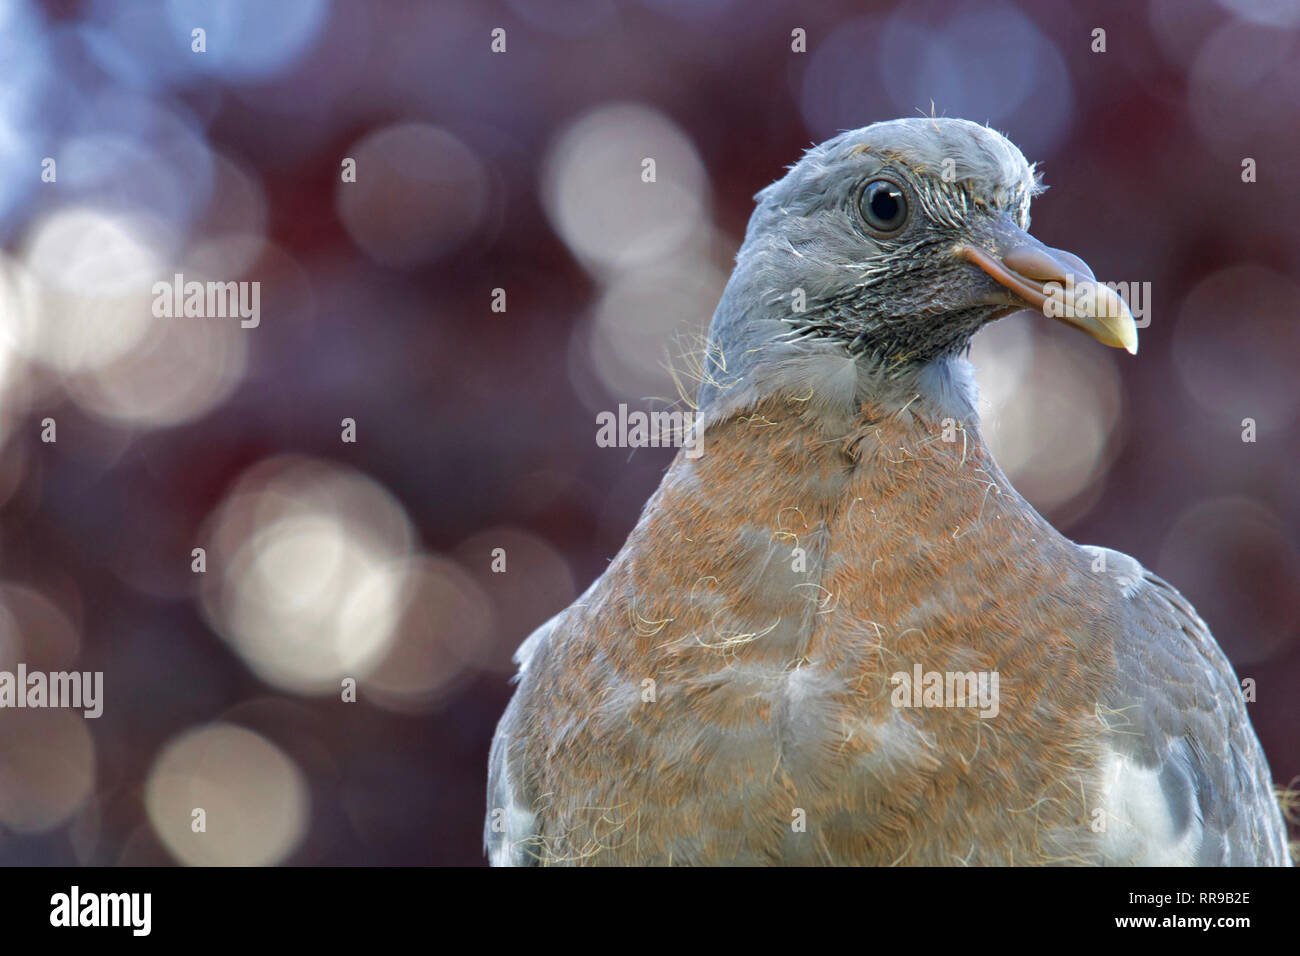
(254, 799)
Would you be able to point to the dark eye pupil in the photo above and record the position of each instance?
(883, 206)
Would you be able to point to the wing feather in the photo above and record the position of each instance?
(1188, 781)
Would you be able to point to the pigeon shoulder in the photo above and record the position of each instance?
(513, 828)
(510, 828)
(1185, 780)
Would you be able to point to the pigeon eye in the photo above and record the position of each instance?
(883, 206)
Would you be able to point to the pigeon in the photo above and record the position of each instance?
(838, 635)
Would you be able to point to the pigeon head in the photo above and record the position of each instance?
(891, 246)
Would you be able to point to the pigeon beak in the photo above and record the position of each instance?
(1061, 286)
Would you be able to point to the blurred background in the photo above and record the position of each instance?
(521, 171)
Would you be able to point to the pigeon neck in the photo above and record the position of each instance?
(833, 391)
(942, 389)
